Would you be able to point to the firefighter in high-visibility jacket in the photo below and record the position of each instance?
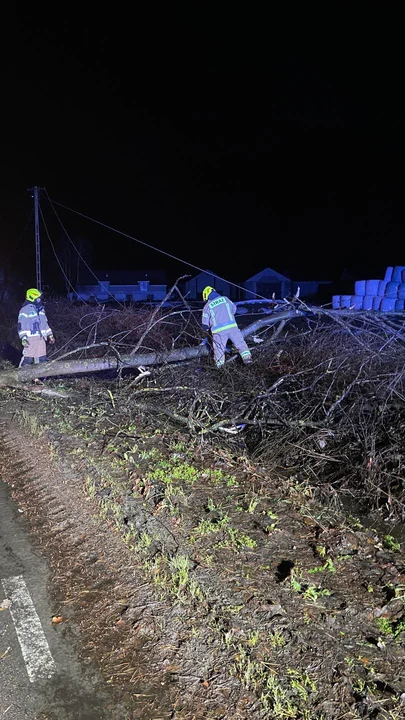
(218, 317)
(33, 329)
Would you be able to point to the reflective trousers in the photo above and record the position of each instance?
(219, 341)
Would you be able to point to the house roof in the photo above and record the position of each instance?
(210, 272)
(203, 272)
(264, 271)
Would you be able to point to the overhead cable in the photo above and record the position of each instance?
(152, 247)
(78, 253)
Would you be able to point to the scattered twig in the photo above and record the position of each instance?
(155, 312)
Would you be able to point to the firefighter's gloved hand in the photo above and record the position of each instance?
(51, 339)
(24, 342)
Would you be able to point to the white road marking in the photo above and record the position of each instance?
(33, 643)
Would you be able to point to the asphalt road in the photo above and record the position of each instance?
(40, 674)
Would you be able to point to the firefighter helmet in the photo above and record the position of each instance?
(33, 294)
(207, 292)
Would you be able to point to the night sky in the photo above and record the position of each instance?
(232, 138)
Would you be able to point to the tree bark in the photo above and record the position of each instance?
(58, 368)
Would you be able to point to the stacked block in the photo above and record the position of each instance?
(387, 295)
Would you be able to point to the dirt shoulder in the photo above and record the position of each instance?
(202, 585)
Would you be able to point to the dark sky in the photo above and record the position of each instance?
(230, 137)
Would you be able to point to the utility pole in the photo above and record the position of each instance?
(37, 243)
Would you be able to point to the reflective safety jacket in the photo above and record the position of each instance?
(218, 313)
(32, 322)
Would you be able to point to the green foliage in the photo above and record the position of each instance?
(173, 496)
(179, 566)
(205, 527)
(280, 697)
(170, 471)
(354, 523)
(295, 584)
(276, 639)
(253, 502)
(301, 682)
(328, 565)
(90, 487)
(236, 540)
(233, 609)
(148, 454)
(217, 477)
(390, 543)
(178, 446)
(31, 422)
(172, 577)
(253, 639)
(145, 540)
(391, 627)
(313, 593)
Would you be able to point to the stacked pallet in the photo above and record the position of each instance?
(386, 295)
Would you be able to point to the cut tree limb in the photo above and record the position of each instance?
(57, 368)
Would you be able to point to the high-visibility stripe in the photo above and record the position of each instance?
(223, 327)
(212, 315)
(28, 333)
(32, 313)
(230, 315)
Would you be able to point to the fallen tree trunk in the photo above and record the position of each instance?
(55, 368)
(272, 320)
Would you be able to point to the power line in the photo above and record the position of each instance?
(78, 253)
(151, 247)
(59, 350)
(54, 250)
